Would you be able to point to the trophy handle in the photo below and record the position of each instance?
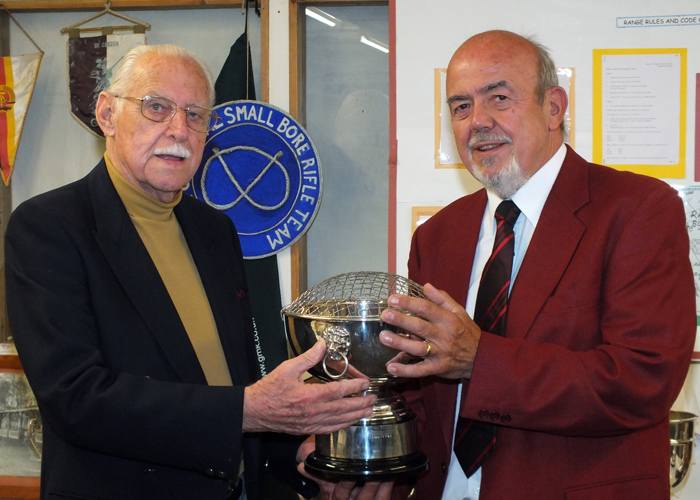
(341, 374)
(338, 344)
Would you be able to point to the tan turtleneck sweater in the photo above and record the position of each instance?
(161, 234)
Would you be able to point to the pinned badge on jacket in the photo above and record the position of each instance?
(262, 170)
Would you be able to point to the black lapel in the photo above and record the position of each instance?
(133, 267)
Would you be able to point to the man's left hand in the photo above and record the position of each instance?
(441, 333)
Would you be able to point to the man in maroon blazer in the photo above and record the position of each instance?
(601, 314)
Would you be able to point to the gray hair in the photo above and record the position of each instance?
(125, 77)
(546, 74)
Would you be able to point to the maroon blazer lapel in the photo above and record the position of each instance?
(553, 244)
(450, 270)
(455, 256)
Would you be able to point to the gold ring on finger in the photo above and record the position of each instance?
(428, 346)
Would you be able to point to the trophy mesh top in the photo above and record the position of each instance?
(350, 296)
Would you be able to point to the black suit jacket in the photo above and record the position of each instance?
(126, 410)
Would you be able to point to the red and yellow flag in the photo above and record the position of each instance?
(17, 78)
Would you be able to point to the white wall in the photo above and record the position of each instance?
(426, 37)
(279, 96)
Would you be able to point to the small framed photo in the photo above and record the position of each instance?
(421, 214)
(20, 430)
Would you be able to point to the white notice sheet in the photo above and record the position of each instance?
(641, 109)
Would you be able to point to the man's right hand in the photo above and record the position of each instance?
(282, 402)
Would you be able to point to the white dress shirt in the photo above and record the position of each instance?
(530, 200)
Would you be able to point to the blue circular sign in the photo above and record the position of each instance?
(261, 169)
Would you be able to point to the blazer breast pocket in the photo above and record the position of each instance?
(633, 488)
(570, 318)
(572, 298)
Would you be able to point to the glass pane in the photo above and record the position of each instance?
(347, 116)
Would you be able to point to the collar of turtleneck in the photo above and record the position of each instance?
(138, 203)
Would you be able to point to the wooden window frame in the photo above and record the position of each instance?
(297, 108)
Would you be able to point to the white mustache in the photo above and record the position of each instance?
(176, 149)
(484, 137)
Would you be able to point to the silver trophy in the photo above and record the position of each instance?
(682, 436)
(345, 311)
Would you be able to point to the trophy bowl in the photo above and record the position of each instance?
(345, 311)
(682, 436)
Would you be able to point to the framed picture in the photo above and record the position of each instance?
(20, 430)
(691, 204)
(421, 214)
(446, 155)
(639, 110)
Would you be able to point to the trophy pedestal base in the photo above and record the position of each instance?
(379, 469)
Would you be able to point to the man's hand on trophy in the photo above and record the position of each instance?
(342, 490)
(442, 336)
(282, 402)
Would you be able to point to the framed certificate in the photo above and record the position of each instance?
(639, 110)
(20, 430)
(691, 202)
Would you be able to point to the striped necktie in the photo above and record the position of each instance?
(475, 440)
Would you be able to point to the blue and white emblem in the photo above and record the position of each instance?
(260, 168)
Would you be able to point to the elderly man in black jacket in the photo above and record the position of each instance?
(130, 312)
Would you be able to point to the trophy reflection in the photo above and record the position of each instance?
(345, 311)
(682, 437)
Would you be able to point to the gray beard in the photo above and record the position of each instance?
(506, 182)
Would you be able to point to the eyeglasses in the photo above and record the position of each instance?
(160, 109)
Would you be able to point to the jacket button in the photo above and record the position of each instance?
(484, 414)
(495, 416)
(505, 418)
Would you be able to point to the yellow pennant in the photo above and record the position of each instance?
(17, 79)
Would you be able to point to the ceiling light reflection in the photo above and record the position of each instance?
(375, 44)
(319, 15)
